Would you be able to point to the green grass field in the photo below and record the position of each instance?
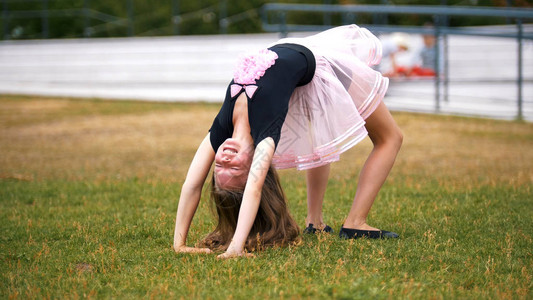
(89, 191)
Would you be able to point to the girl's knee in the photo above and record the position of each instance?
(395, 139)
(398, 138)
(392, 139)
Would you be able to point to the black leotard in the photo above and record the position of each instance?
(268, 107)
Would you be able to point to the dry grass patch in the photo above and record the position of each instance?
(144, 144)
(61, 138)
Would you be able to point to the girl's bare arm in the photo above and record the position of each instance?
(252, 197)
(190, 195)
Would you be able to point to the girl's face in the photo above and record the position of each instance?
(232, 164)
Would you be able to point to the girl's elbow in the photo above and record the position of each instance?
(254, 194)
(399, 139)
(192, 186)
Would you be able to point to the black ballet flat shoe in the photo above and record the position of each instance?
(312, 230)
(347, 233)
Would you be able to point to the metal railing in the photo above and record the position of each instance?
(277, 13)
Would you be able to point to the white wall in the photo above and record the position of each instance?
(198, 68)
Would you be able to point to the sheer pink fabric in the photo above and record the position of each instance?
(252, 66)
(326, 117)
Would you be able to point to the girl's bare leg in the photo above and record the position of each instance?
(317, 181)
(387, 139)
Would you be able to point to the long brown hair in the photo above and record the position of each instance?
(273, 225)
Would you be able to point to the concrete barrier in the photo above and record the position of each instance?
(198, 68)
(162, 69)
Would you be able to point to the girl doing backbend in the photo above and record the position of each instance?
(298, 104)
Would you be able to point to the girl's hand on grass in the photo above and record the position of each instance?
(185, 249)
(233, 254)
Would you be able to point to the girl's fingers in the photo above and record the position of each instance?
(193, 250)
(235, 255)
(226, 255)
(200, 250)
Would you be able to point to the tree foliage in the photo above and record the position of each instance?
(29, 19)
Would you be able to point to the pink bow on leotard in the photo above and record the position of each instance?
(236, 89)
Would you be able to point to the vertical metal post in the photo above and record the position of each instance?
(44, 21)
(520, 72)
(348, 18)
(437, 64)
(223, 23)
(385, 17)
(86, 21)
(263, 15)
(175, 16)
(509, 3)
(131, 19)
(327, 15)
(283, 24)
(445, 71)
(5, 21)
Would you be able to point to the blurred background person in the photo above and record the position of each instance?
(425, 56)
(394, 45)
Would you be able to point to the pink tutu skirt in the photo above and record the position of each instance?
(327, 116)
